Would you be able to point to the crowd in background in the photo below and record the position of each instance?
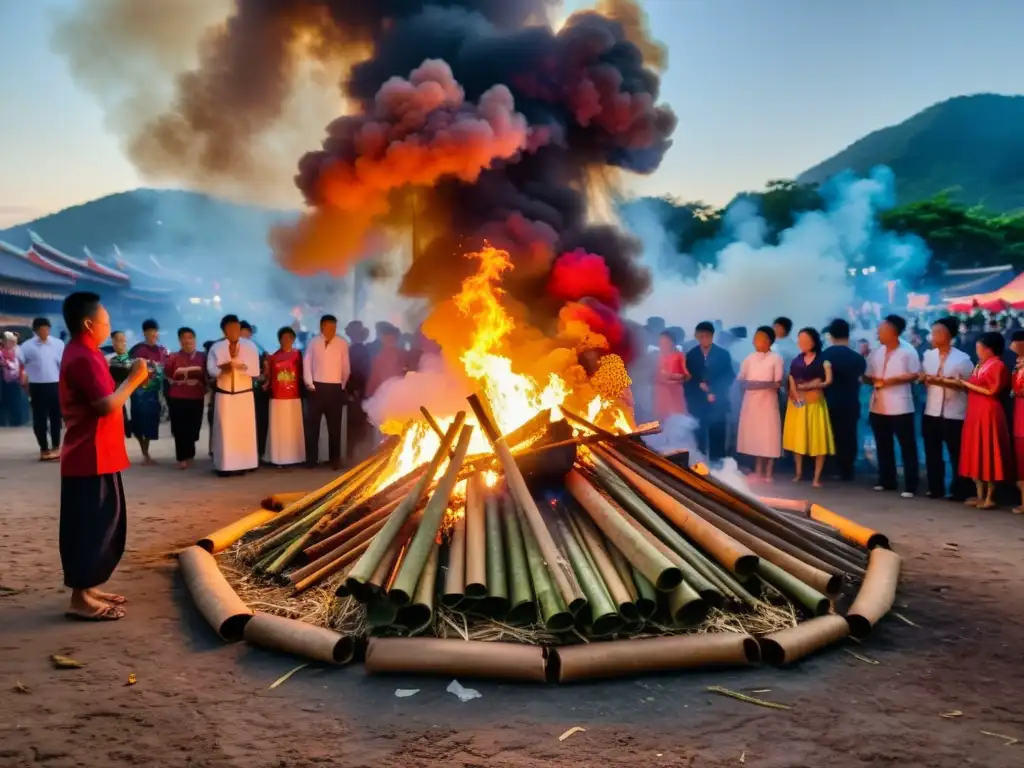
(952, 393)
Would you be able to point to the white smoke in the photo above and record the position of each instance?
(679, 433)
(804, 276)
(434, 386)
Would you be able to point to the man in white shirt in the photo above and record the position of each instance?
(944, 410)
(892, 368)
(325, 371)
(41, 356)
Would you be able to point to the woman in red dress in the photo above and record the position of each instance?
(286, 439)
(1017, 345)
(985, 447)
(668, 383)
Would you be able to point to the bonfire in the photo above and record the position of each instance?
(534, 535)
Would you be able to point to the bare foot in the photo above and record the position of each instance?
(148, 461)
(108, 597)
(769, 480)
(182, 465)
(1018, 510)
(817, 484)
(986, 505)
(972, 502)
(796, 479)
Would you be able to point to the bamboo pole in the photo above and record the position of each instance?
(788, 539)
(877, 592)
(331, 568)
(363, 570)
(496, 604)
(789, 645)
(604, 614)
(455, 575)
(813, 601)
(529, 428)
(599, 555)
(299, 638)
(355, 541)
(388, 496)
(476, 540)
(456, 658)
(418, 614)
(553, 610)
(322, 519)
(736, 557)
(278, 501)
(325, 546)
(624, 658)
(685, 607)
(297, 507)
(652, 563)
(213, 596)
(647, 599)
(517, 487)
(850, 530)
(401, 593)
(696, 569)
(522, 609)
(224, 537)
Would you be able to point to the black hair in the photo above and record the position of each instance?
(951, 324)
(768, 331)
(228, 320)
(40, 322)
(385, 328)
(285, 329)
(1017, 336)
(839, 329)
(246, 326)
(328, 319)
(207, 345)
(993, 341)
(815, 338)
(116, 333)
(704, 327)
(78, 307)
(185, 329)
(785, 322)
(150, 325)
(897, 322)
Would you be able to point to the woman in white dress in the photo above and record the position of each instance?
(760, 428)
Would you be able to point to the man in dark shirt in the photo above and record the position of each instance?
(707, 391)
(843, 396)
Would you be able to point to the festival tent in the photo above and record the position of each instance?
(1010, 296)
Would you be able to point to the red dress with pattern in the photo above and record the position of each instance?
(1018, 420)
(985, 447)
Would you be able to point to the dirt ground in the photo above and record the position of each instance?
(200, 703)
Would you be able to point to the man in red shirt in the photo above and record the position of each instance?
(93, 524)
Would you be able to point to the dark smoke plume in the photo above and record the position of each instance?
(475, 116)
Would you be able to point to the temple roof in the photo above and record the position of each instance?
(89, 268)
(27, 267)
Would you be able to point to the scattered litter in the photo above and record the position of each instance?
(405, 693)
(865, 659)
(285, 676)
(20, 687)
(571, 731)
(464, 694)
(63, 662)
(951, 714)
(743, 758)
(762, 690)
(904, 619)
(743, 697)
(1010, 741)
(131, 679)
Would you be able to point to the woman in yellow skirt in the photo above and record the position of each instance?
(808, 431)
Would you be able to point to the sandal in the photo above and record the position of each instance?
(1018, 510)
(972, 502)
(110, 613)
(987, 505)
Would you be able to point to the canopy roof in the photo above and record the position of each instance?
(88, 268)
(1009, 296)
(26, 267)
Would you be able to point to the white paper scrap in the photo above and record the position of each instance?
(464, 694)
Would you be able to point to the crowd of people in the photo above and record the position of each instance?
(803, 398)
(262, 407)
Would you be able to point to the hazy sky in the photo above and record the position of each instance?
(763, 89)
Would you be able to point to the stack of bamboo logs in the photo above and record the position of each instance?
(631, 543)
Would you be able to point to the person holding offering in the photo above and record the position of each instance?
(93, 522)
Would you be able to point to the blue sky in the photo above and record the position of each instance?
(763, 89)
